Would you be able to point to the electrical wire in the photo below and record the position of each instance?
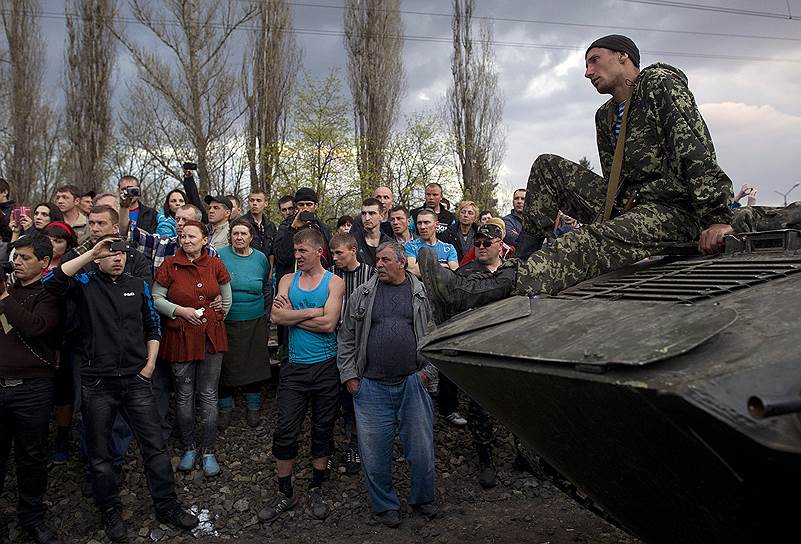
(565, 23)
(431, 39)
(715, 9)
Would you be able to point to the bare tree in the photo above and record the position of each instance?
(90, 57)
(373, 39)
(22, 73)
(198, 90)
(475, 107)
(418, 155)
(148, 141)
(268, 76)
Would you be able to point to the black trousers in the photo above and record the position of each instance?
(24, 419)
(298, 386)
(132, 396)
(448, 396)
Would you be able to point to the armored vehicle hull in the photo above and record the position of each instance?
(636, 386)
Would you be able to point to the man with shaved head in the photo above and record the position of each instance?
(661, 185)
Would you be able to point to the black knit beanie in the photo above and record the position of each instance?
(618, 43)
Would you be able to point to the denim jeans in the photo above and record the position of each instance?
(197, 379)
(131, 396)
(24, 419)
(381, 411)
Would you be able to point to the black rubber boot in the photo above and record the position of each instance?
(487, 475)
(451, 293)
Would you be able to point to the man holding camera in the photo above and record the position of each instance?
(305, 217)
(29, 339)
(139, 215)
(120, 333)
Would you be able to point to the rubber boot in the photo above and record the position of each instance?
(450, 293)
(528, 244)
(487, 475)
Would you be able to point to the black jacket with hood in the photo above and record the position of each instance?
(117, 319)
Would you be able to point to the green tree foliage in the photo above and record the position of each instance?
(320, 151)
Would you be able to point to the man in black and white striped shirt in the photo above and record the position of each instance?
(343, 249)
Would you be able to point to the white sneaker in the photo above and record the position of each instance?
(456, 419)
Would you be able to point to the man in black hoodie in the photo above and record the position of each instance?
(120, 333)
(29, 337)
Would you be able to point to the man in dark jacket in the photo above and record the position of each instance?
(104, 221)
(514, 221)
(668, 189)
(369, 234)
(283, 249)
(140, 216)
(29, 340)
(433, 201)
(265, 229)
(120, 334)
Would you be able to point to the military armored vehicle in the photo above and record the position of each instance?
(666, 392)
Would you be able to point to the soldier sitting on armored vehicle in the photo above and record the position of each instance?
(666, 189)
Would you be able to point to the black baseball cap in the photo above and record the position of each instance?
(489, 230)
(224, 200)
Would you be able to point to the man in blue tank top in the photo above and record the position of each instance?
(309, 302)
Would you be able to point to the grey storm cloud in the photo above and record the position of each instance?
(747, 87)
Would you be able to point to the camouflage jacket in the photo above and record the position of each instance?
(669, 157)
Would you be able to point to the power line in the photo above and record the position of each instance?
(565, 23)
(431, 39)
(715, 9)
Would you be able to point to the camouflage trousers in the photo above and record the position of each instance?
(761, 218)
(596, 248)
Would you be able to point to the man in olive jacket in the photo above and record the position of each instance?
(671, 188)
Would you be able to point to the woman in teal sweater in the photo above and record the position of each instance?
(247, 362)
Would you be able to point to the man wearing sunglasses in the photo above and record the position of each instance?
(487, 242)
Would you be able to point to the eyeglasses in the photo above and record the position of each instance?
(483, 243)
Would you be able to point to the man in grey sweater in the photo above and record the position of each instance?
(379, 364)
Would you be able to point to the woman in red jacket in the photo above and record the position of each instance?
(194, 338)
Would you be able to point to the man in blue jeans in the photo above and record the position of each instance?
(379, 364)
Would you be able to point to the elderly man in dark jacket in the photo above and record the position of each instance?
(29, 341)
(120, 333)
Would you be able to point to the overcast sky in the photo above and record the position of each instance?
(750, 100)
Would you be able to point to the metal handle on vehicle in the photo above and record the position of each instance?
(763, 407)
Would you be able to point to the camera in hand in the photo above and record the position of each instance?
(190, 166)
(119, 245)
(307, 217)
(133, 191)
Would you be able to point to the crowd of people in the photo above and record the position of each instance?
(133, 322)
(115, 309)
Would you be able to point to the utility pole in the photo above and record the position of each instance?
(784, 195)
